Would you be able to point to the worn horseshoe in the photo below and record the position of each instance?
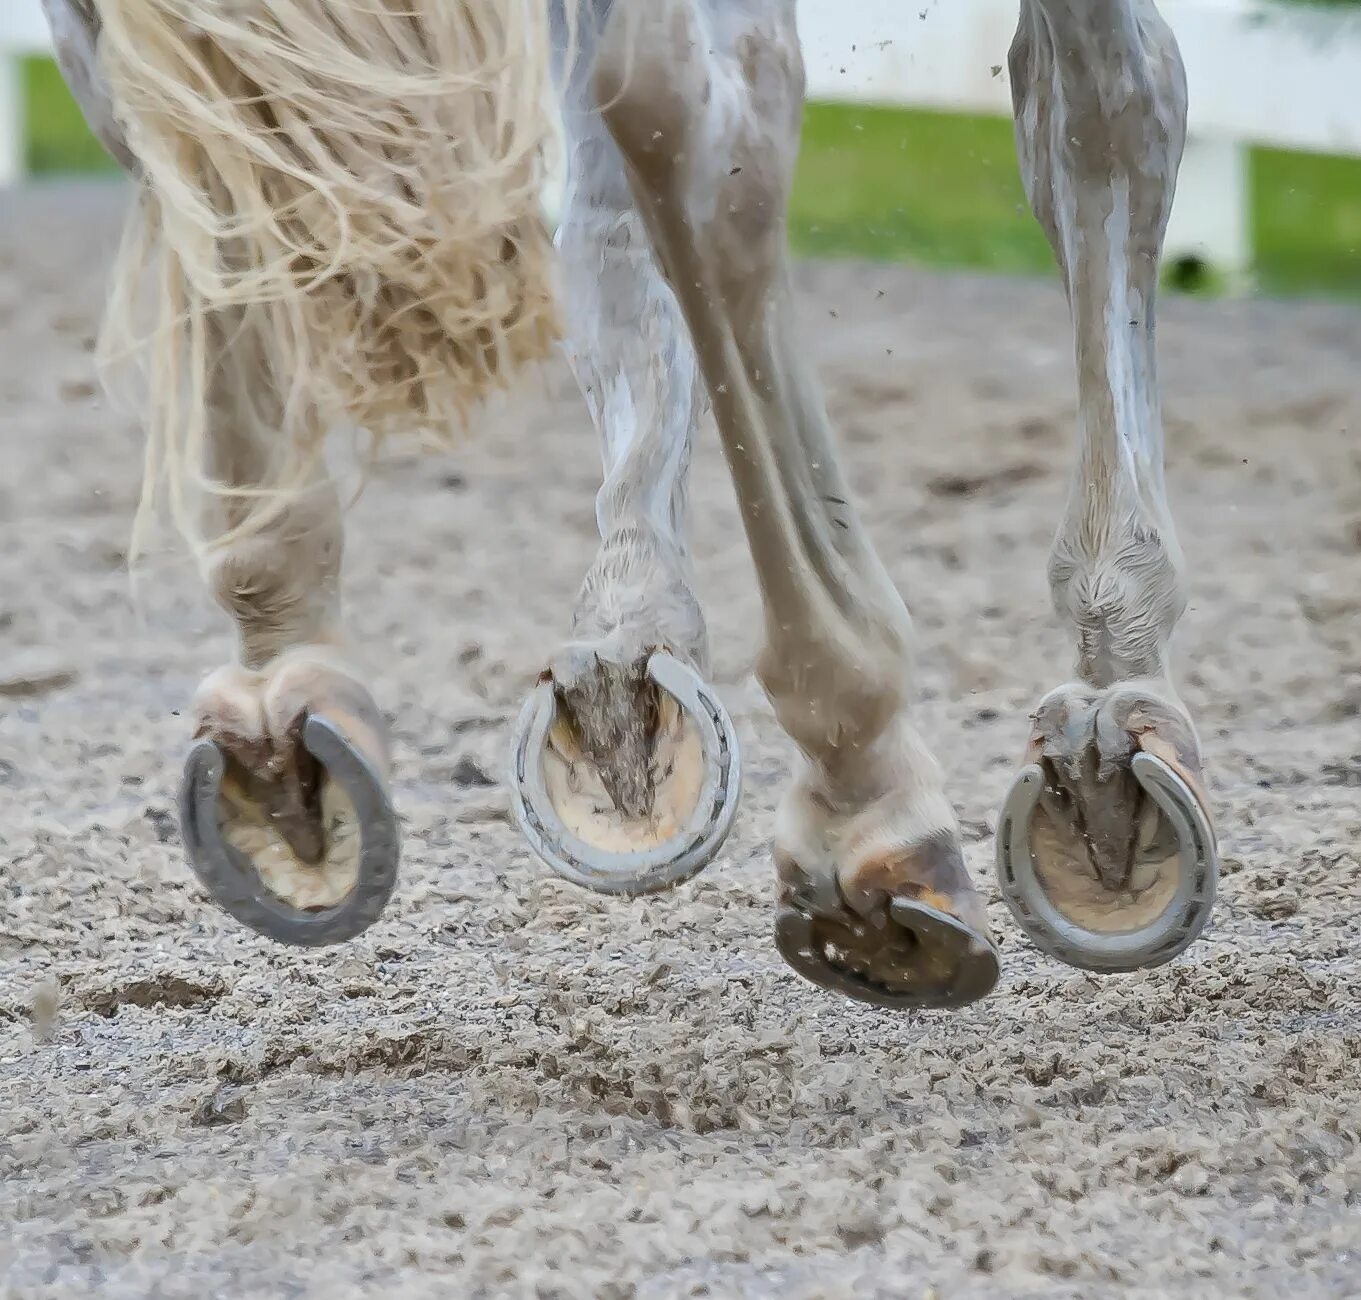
(235, 886)
(1163, 938)
(644, 871)
(979, 965)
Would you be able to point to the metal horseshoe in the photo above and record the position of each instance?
(645, 871)
(234, 884)
(1162, 939)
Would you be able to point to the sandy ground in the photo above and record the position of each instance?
(509, 1087)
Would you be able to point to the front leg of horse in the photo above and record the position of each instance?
(875, 900)
(1106, 853)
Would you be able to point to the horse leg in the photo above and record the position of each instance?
(284, 807)
(285, 811)
(1105, 850)
(622, 763)
(704, 99)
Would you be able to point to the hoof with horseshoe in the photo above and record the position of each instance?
(1105, 851)
(874, 906)
(573, 827)
(940, 962)
(248, 869)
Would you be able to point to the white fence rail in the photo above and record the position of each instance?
(1259, 74)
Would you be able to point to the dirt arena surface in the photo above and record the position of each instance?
(510, 1087)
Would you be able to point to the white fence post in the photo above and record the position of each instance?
(11, 118)
(23, 30)
(1258, 73)
(1211, 219)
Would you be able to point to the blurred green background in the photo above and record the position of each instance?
(931, 188)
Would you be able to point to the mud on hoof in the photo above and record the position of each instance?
(285, 815)
(901, 928)
(1105, 850)
(578, 827)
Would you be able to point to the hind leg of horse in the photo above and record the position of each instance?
(1105, 850)
(285, 810)
(704, 100)
(624, 762)
(284, 807)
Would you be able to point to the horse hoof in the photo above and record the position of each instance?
(950, 966)
(237, 887)
(1061, 934)
(651, 858)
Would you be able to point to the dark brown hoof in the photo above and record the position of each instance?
(911, 956)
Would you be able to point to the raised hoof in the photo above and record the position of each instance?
(931, 960)
(1062, 899)
(556, 815)
(232, 879)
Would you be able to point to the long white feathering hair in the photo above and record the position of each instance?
(348, 190)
